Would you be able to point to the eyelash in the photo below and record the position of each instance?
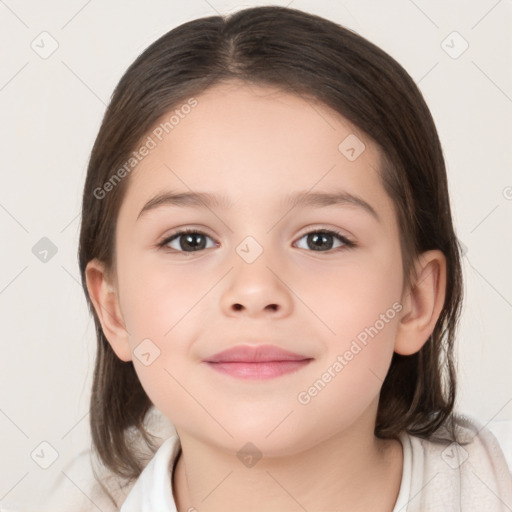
(347, 244)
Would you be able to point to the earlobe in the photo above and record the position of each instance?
(106, 304)
(423, 303)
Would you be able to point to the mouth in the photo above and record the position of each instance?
(260, 370)
(257, 362)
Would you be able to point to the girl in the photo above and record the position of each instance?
(268, 252)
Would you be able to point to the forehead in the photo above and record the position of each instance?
(252, 141)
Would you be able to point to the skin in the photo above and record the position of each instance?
(256, 145)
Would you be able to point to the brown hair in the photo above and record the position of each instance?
(315, 58)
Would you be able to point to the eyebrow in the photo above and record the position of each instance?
(299, 199)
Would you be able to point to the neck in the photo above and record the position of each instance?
(352, 470)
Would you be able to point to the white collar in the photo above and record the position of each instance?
(152, 491)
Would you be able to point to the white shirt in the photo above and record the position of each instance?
(436, 477)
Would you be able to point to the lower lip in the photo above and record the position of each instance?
(262, 370)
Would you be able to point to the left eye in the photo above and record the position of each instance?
(192, 241)
(323, 239)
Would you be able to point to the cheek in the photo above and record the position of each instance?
(162, 311)
(361, 306)
(160, 300)
(351, 296)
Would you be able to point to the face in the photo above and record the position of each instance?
(322, 279)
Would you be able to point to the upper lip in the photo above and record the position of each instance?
(253, 354)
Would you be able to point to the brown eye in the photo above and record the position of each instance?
(187, 241)
(323, 240)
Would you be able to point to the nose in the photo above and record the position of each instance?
(256, 289)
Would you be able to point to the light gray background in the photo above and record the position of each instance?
(51, 109)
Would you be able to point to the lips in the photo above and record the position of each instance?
(258, 363)
(259, 354)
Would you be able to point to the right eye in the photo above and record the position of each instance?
(186, 240)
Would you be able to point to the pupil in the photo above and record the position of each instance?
(189, 240)
(319, 240)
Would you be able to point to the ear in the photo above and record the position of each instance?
(104, 297)
(422, 303)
